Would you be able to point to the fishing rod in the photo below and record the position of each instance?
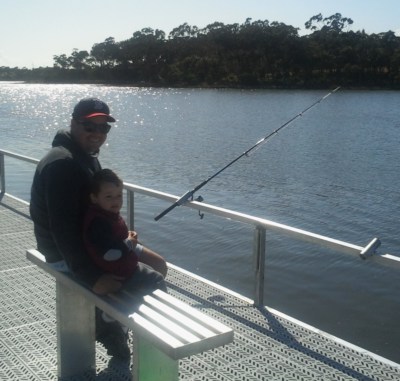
(189, 194)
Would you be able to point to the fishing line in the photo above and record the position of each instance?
(189, 195)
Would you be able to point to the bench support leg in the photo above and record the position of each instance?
(75, 333)
(150, 364)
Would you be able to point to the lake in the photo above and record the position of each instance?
(334, 171)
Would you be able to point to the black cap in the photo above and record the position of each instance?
(90, 107)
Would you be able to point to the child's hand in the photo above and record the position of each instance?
(133, 237)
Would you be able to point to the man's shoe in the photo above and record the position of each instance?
(113, 337)
(115, 341)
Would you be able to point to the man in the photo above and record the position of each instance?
(59, 197)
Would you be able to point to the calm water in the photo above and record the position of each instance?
(334, 171)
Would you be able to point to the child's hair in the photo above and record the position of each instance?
(104, 176)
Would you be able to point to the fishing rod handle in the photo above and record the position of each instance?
(162, 214)
(178, 202)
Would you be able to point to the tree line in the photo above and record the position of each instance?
(256, 54)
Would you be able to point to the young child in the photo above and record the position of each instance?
(110, 244)
(116, 251)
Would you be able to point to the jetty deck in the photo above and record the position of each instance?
(268, 345)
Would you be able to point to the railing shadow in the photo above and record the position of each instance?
(6, 203)
(272, 328)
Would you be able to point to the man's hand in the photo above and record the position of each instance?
(107, 283)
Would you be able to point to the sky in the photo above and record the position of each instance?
(33, 31)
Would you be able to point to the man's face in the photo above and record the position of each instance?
(91, 133)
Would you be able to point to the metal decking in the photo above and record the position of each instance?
(267, 346)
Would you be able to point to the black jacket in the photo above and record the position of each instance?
(59, 196)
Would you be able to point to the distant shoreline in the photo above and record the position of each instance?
(216, 87)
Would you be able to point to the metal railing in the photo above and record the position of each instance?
(260, 226)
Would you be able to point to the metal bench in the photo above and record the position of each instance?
(164, 328)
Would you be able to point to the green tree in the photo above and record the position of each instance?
(105, 53)
(61, 61)
(78, 59)
(334, 23)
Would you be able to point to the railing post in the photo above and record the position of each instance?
(130, 205)
(259, 264)
(2, 176)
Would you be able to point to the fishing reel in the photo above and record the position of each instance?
(199, 199)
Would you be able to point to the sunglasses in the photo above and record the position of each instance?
(91, 127)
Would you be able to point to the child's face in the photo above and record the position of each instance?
(109, 197)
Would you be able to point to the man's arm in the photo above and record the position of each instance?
(66, 190)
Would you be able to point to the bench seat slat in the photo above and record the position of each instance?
(194, 326)
(167, 324)
(211, 323)
(160, 333)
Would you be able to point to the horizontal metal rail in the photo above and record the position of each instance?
(251, 220)
(260, 226)
(19, 157)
